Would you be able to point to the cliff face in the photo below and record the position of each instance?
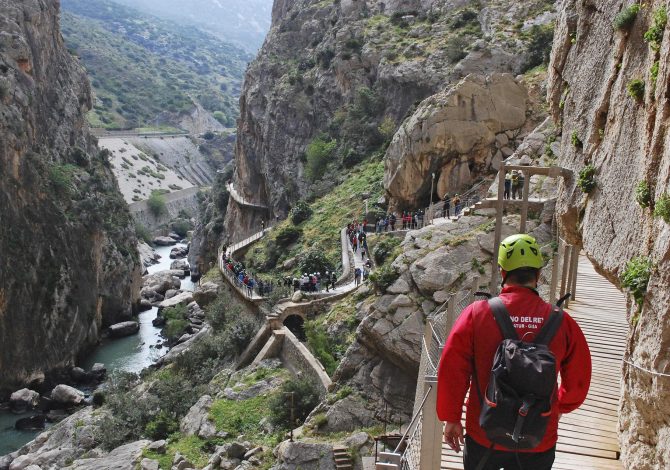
(69, 263)
(624, 135)
(351, 71)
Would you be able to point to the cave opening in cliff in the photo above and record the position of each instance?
(296, 324)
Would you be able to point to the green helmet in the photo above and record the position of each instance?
(519, 251)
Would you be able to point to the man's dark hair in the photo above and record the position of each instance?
(521, 276)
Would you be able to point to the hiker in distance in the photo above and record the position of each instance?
(512, 347)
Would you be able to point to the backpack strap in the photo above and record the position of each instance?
(550, 327)
(501, 315)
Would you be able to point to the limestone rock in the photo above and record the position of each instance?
(125, 457)
(76, 272)
(162, 281)
(23, 400)
(443, 126)
(67, 396)
(125, 328)
(148, 464)
(196, 422)
(304, 456)
(206, 293)
(182, 265)
(158, 446)
(399, 287)
(179, 299)
(164, 241)
(297, 296)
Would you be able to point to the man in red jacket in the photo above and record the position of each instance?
(474, 340)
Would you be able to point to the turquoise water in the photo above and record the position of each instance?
(131, 354)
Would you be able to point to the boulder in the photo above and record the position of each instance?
(304, 455)
(206, 293)
(196, 422)
(99, 371)
(123, 329)
(148, 464)
(125, 457)
(171, 293)
(178, 252)
(297, 296)
(183, 298)
(32, 423)
(148, 256)
(158, 446)
(145, 304)
(164, 241)
(162, 281)
(181, 264)
(78, 374)
(23, 400)
(175, 236)
(67, 396)
(150, 297)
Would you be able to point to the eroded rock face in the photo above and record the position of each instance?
(319, 56)
(458, 134)
(70, 264)
(304, 456)
(626, 140)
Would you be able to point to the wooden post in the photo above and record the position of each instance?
(498, 233)
(554, 273)
(524, 198)
(431, 431)
(575, 264)
(565, 270)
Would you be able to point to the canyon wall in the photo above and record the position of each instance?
(609, 93)
(69, 261)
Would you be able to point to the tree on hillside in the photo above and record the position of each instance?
(157, 204)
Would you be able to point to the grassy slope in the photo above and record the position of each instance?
(331, 213)
(141, 66)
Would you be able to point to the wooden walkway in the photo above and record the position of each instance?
(588, 437)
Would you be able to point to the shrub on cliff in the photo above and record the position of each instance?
(586, 180)
(625, 19)
(385, 247)
(635, 278)
(319, 153)
(654, 35)
(383, 278)
(288, 235)
(296, 397)
(643, 194)
(314, 261)
(540, 41)
(157, 204)
(662, 207)
(300, 212)
(321, 346)
(635, 89)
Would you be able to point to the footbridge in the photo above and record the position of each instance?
(240, 200)
(588, 436)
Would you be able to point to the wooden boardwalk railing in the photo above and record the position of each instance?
(588, 437)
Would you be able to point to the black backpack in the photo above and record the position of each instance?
(522, 386)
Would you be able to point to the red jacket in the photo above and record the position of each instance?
(477, 331)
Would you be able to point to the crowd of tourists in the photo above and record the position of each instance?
(314, 282)
(247, 281)
(357, 236)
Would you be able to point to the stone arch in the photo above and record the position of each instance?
(296, 324)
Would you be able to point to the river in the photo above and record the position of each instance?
(131, 354)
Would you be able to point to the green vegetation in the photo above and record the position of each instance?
(575, 140)
(662, 208)
(61, 177)
(319, 343)
(143, 233)
(240, 416)
(164, 64)
(654, 35)
(586, 180)
(157, 204)
(388, 247)
(287, 235)
(330, 214)
(302, 394)
(635, 278)
(300, 212)
(314, 261)
(540, 39)
(175, 321)
(383, 277)
(625, 19)
(643, 194)
(192, 448)
(319, 153)
(653, 72)
(181, 227)
(635, 89)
